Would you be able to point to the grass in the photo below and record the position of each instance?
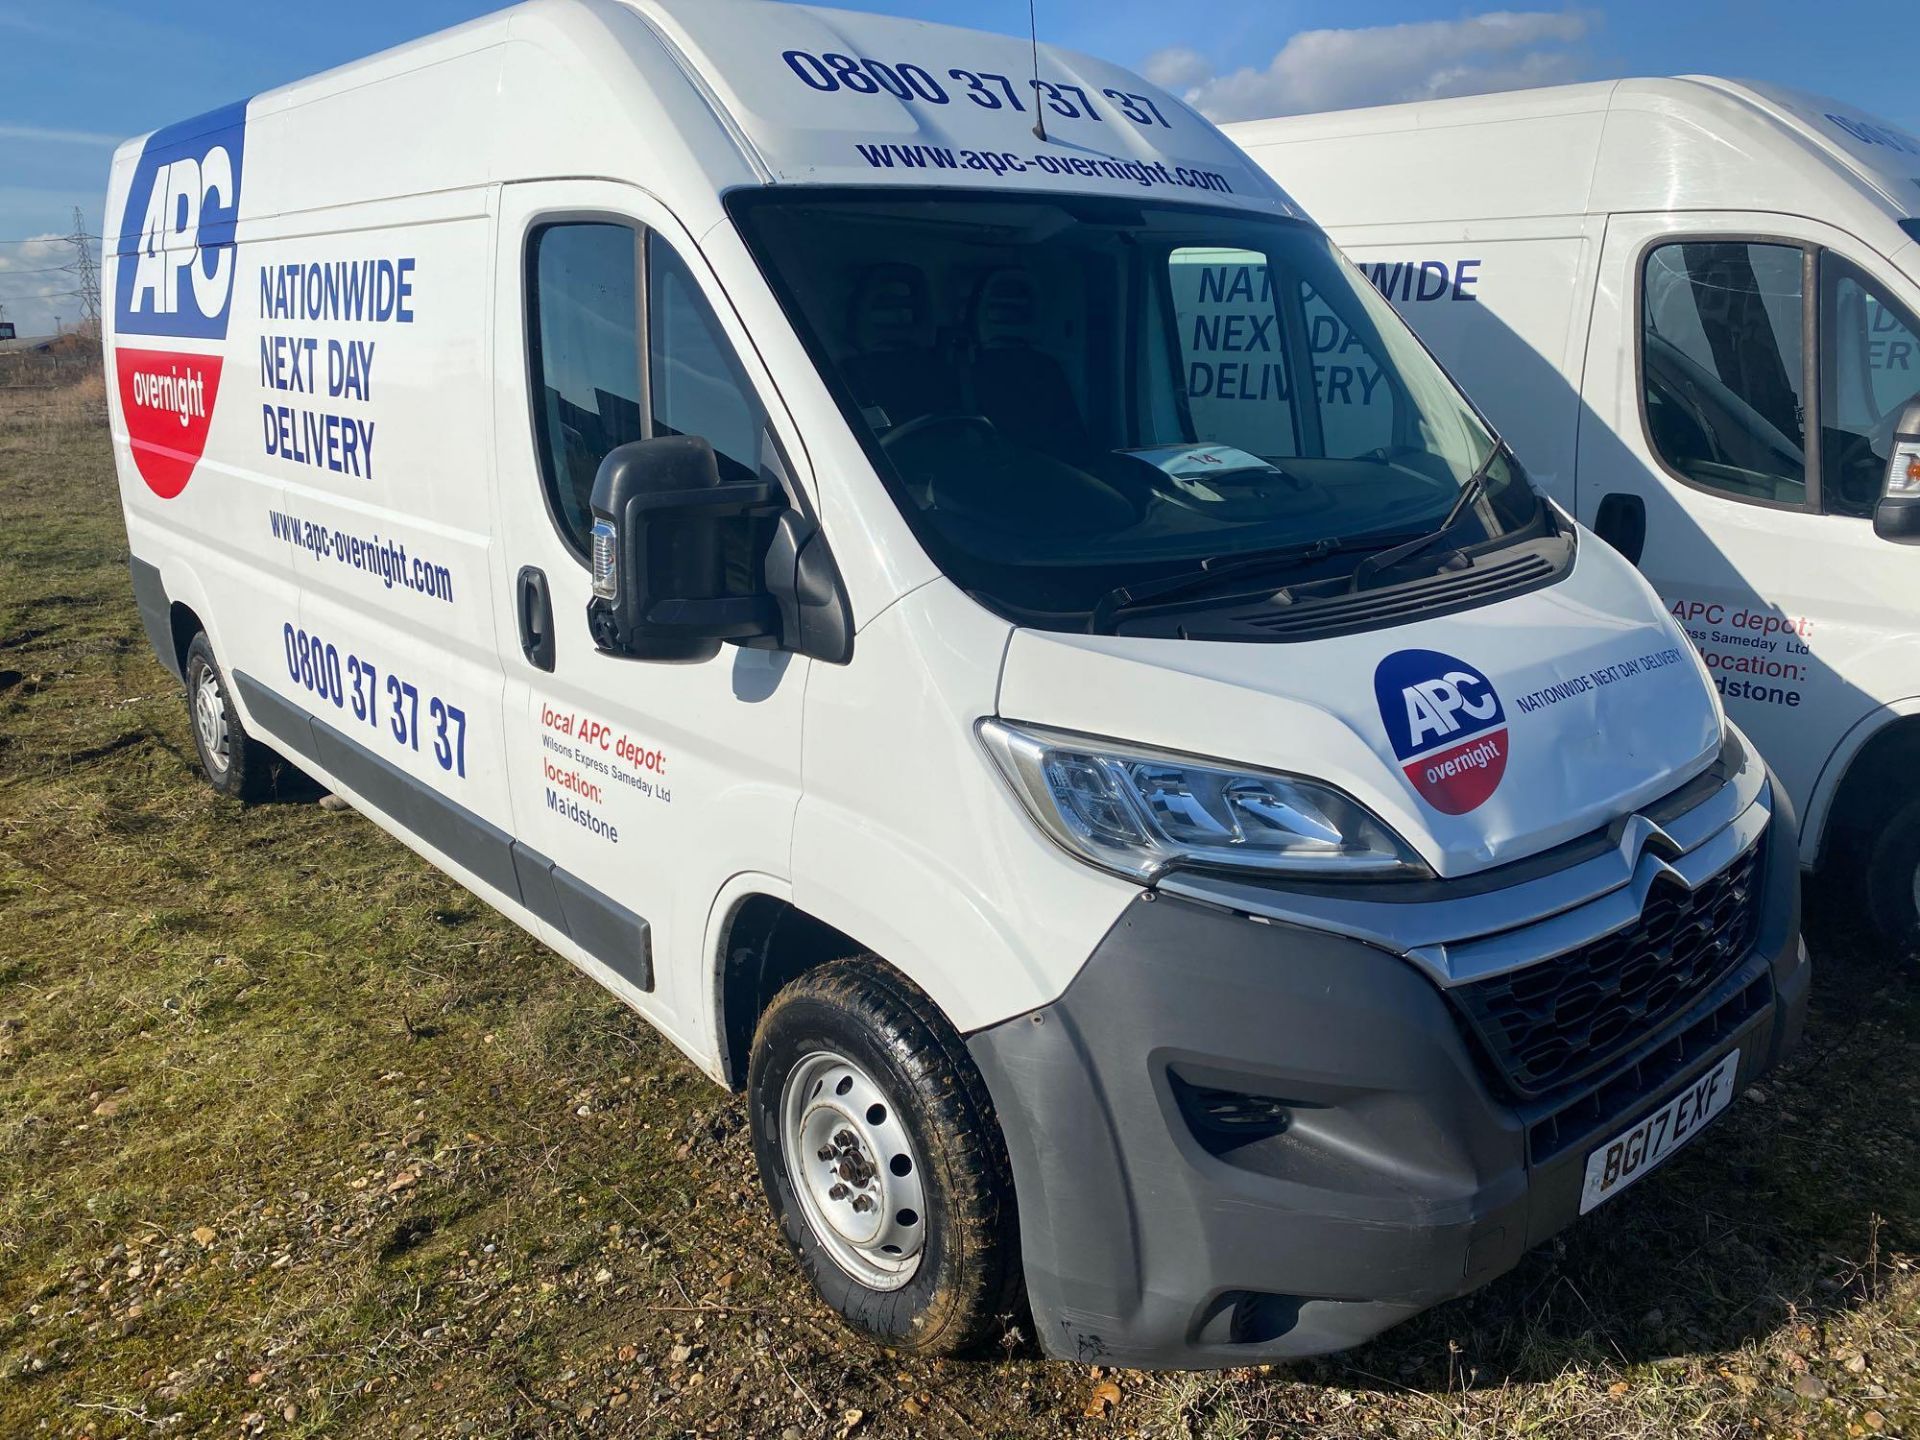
(297, 1138)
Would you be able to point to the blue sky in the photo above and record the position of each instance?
(77, 76)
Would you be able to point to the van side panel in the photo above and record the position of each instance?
(1337, 166)
(295, 397)
(370, 408)
(1482, 273)
(180, 434)
(358, 355)
(1492, 301)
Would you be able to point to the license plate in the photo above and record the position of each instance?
(1625, 1158)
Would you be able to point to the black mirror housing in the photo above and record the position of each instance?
(1897, 516)
(665, 529)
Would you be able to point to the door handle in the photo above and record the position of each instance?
(1621, 521)
(533, 603)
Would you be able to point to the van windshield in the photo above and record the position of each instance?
(1068, 396)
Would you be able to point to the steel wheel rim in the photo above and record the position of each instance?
(855, 1170)
(210, 718)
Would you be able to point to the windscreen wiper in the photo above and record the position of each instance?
(1216, 568)
(1469, 495)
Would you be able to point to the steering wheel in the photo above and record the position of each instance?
(1387, 454)
(1398, 457)
(927, 424)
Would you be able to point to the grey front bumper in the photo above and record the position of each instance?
(1395, 1176)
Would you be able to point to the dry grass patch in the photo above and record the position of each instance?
(298, 1138)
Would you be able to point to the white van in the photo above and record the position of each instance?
(1660, 290)
(715, 478)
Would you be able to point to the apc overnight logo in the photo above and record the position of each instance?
(174, 281)
(1448, 729)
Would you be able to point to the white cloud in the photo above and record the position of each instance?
(35, 286)
(42, 135)
(1177, 69)
(1381, 64)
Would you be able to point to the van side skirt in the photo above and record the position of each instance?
(598, 924)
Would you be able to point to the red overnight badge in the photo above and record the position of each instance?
(167, 397)
(1460, 779)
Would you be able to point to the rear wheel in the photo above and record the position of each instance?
(234, 762)
(882, 1159)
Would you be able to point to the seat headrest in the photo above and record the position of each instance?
(891, 309)
(1006, 309)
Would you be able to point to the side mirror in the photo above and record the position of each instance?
(678, 554)
(1897, 516)
(1621, 521)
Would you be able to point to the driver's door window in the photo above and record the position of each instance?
(585, 344)
(694, 381)
(1723, 362)
(1869, 371)
(583, 350)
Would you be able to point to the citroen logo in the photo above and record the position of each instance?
(1638, 835)
(1647, 849)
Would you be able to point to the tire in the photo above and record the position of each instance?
(235, 764)
(858, 1073)
(1891, 871)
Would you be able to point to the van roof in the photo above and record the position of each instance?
(695, 97)
(1642, 144)
(846, 97)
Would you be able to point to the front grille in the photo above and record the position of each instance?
(1556, 1022)
(1723, 1014)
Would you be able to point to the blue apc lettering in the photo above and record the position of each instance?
(1327, 336)
(1234, 332)
(1424, 280)
(378, 290)
(1891, 353)
(1236, 381)
(176, 235)
(1221, 283)
(1868, 133)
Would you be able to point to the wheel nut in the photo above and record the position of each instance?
(825, 1152)
(862, 1204)
(845, 1140)
(838, 1192)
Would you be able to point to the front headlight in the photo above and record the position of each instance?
(1141, 812)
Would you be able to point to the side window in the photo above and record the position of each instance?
(583, 346)
(696, 384)
(1723, 362)
(1869, 371)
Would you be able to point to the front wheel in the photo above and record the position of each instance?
(1892, 874)
(882, 1159)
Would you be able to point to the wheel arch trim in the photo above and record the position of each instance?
(1837, 768)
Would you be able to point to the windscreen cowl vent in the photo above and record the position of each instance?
(1339, 611)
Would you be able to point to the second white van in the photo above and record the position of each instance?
(725, 490)
(1691, 305)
